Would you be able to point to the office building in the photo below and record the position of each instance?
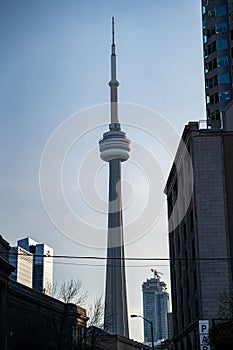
(199, 193)
(114, 149)
(217, 24)
(21, 259)
(155, 308)
(41, 264)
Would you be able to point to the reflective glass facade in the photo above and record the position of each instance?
(155, 309)
(21, 259)
(42, 269)
(217, 25)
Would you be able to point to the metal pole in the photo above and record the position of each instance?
(152, 334)
(151, 328)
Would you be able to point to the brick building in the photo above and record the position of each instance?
(199, 193)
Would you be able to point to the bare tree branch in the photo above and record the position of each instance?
(96, 313)
(70, 292)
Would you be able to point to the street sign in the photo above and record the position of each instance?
(204, 338)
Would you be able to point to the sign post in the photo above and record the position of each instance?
(204, 338)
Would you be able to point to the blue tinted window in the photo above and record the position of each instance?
(204, 39)
(204, 23)
(222, 61)
(221, 27)
(223, 78)
(224, 95)
(207, 99)
(203, 10)
(222, 44)
(220, 10)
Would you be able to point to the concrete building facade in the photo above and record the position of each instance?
(199, 193)
(155, 308)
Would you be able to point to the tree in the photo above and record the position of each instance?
(96, 313)
(222, 333)
(70, 292)
(225, 310)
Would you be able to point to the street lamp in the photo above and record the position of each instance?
(151, 327)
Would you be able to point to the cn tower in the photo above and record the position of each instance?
(114, 149)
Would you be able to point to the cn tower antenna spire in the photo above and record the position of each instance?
(115, 124)
(113, 33)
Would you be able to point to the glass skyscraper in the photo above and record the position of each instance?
(217, 24)
(155, 308)
(40, 265)
(21, 259)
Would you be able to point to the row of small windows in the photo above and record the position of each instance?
(215, 12)
(218, 28)
(216, 45)
(221, 78)
(221, 96)
(220, 61)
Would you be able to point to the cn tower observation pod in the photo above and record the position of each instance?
(114, 145)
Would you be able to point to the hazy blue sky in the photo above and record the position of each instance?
(55, 61)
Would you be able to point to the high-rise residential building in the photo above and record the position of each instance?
(155, 308)
(41, 264)
(217, 24)
(114, 149)
(22, 260)
(199, 193)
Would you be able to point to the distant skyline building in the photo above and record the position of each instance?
(155, 308)
(199, 193)
(114, 149)
(22, 260)
(217, 25)
(41, 264)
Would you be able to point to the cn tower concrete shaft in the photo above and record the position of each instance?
(116, 314)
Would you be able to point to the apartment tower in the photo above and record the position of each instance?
(217, 24)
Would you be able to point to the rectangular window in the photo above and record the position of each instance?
(223, 78)
(211, 48)
(211, 65)
(213, 81)
(222, 61)
(211, 31)
(214, 98)
(215, 115)
(203, 10)
(211, 13)
(204, 39)
(221, 27)
(222, 44)
(224, 95)
(220, 11)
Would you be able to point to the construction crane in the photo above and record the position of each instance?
(156, 273)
